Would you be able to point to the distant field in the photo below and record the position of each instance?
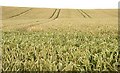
(43, 39)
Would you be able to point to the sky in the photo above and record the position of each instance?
(74, 4)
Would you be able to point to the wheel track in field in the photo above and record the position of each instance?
(84, 14)
(58, 14)
(53, 16)
(20, 13)
(16, 14)
(81, 13)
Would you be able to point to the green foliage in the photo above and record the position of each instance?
(53, 51)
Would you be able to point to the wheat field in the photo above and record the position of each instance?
(48, 39)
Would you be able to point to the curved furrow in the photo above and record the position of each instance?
(20, 13)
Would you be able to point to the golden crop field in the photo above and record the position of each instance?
(48, 39)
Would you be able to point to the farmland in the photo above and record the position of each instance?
(44, 39)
